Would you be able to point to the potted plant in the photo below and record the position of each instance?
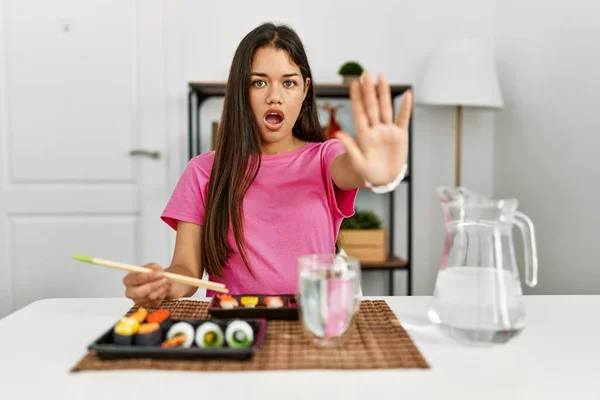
(363, 237)
(350, 70)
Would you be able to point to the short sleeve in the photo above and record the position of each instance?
(187, 202)
(342, 201)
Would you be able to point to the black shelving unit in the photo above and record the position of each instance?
(199, 92)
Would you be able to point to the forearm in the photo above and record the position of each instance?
(179, 290)
(343, 174)
(345, 177)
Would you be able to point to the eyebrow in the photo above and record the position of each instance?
(265, 75)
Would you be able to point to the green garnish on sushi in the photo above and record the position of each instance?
(239, 334)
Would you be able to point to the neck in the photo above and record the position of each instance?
(290, 143)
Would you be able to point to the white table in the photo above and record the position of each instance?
(556, 357)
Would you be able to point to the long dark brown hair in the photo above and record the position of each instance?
(237, 154)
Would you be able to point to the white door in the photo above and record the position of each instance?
(81, 86)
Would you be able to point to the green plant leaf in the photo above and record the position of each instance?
(362, 220)
(351, 68)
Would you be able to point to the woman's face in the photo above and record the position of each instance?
(276, 95)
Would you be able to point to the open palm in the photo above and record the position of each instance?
(381, 147)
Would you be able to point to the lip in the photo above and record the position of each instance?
(270, 126)
(276, 111)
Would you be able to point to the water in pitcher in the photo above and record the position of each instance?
(478, 294)
(478, 304)
(328, 301)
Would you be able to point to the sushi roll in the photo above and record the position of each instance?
(249, 301)
(273, 301)
(125, 331)
(149, 334)
(180, 334)
(209, 335)
(239, 334)
(227, 301)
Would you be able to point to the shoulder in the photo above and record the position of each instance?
(323, 153)
(200, 165)
(327, 144)
(196, 172)
(325, 149)
(204, 160)
(330, 149)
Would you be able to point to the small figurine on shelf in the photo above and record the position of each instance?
(333, 125)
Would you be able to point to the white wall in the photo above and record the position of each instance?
(549, 67)
(394, 39)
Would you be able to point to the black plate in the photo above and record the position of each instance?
(108, 350)
(289, 311)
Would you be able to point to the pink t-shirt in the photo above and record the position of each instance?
(292, 208)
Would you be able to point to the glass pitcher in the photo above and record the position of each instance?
(478, 296)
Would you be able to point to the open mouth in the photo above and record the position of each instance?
(274, 118)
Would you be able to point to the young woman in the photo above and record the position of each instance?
(274, 188)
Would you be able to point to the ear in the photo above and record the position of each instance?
(306, 86)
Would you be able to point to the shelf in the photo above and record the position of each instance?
(392, 263)
(200, 91)
(323, 90)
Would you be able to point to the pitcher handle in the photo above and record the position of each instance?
(530, 248)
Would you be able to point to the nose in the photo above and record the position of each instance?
(273, 94)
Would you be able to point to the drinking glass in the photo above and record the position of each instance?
(329, 295)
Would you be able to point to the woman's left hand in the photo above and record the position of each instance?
(381, 147)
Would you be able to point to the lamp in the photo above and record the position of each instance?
(460, 73)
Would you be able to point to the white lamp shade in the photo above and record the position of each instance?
(461, 72)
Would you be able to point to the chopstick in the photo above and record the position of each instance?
(217, 287)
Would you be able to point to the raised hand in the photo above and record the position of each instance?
(381, 147)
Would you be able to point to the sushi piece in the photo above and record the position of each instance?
(139, 315)
(239, 334)
(180, 334)
(149, 334)
(163, 317)
(209, 335)
(273, 301)
(227, 301)
(125, 330)
(249, 301)
(159, 316)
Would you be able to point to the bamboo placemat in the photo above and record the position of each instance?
(376, 340)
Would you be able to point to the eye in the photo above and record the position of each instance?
(289, 84)
(256, 83)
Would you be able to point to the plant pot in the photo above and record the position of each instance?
(367, 245)
(350, 78)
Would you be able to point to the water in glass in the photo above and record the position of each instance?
(329, 287)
